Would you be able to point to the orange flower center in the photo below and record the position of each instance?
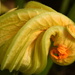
(61, 52)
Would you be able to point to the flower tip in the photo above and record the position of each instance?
(60, 55)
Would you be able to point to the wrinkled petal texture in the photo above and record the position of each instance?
(26, 37)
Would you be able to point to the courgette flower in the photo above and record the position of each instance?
(29, 35)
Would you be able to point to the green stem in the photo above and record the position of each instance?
(71, 13)
(64, 6)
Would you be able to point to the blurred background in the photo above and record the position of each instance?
(67, 7)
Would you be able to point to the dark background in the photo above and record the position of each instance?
(55, 4)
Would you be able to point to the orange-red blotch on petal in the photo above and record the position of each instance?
(72, 28)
